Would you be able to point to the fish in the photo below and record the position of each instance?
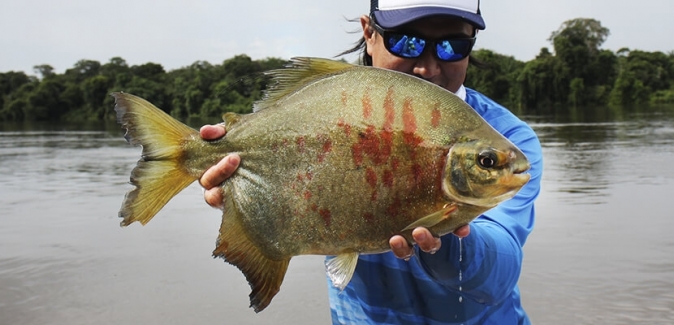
(335, 160)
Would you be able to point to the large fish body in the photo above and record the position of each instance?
(335, 160)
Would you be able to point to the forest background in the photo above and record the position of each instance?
(576, 73)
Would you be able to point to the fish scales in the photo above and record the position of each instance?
(336, 160)
(338, 194)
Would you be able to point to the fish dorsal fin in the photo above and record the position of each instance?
(264, 274)
(297, 74)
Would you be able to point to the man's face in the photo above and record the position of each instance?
(449, 75)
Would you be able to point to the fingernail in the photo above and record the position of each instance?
(420, 237)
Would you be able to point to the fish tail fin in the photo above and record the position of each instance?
(264, 274)
(158, 176)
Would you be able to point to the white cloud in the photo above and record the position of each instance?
(176, 33)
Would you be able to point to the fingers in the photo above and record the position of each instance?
(400, 248)
(215, 175)
(462, 231)
(220, 172)
(214, 197)
(423, 238)
(212, 132)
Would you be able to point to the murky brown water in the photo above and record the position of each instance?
(602, 251)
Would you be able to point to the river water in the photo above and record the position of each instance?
(602, 251)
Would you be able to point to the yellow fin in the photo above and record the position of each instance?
(433, 218)
(297, 74)
(158, 175)
(340, 269)
(264, 275)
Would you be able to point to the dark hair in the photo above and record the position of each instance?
(366, 59)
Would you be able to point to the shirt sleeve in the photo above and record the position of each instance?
(486, 265)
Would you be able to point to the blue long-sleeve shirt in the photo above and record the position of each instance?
(468, 281)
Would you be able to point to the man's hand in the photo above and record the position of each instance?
(217, 174)
(424, 239)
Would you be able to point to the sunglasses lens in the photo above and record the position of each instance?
(453, 50)
(404, 45)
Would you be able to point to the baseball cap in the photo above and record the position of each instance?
(394, 13)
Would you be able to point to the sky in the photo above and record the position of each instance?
(177, 33)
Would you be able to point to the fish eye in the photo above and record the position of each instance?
(487, 159)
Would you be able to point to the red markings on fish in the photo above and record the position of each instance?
(369, 217)
(325, 214)
(393, 210)
(409, 120)
(435, 116)
(410, 125)
(345, 126)
(345, 96)
(375, 146)
(357, 153)
(367, 104)
(371, 177)
(302, 176)
(301, 143)
(387, 178)
(417, 174)
(394, 164)
(327, 148)
(307, 195)
(389, 110)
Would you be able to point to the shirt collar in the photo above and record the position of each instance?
(461, 93)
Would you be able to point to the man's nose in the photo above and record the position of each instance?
(427, 65)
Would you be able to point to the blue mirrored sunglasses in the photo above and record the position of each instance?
(408, 45)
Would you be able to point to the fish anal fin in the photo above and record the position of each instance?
(340, 269)
(264, 274)
(433, 218)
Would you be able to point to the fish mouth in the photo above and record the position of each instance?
(519, 173)
(521, 168)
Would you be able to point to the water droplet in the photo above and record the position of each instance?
(460, 272)
(460, 249)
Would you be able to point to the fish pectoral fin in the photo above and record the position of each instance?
(264, 274)
(340, 269)
(433, 218)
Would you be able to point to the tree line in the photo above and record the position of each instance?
(576, 73)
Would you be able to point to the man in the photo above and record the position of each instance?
(469, 277)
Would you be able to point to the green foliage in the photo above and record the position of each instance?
(82, 92)
(643, 77)
(576, 74)
(495, 76)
